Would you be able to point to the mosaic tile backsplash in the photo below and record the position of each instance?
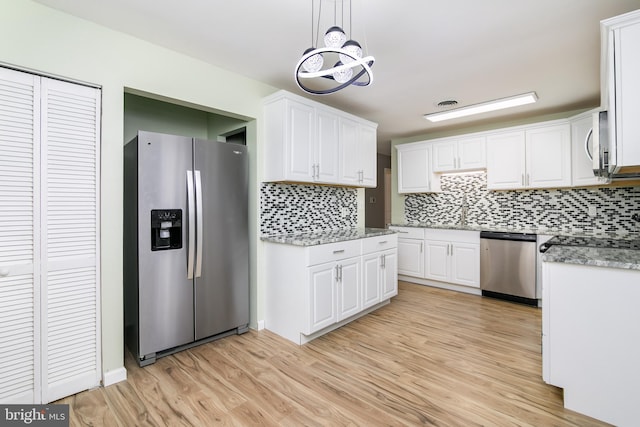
(562, 211)
(291, 208)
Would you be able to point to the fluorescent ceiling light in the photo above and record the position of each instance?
(498, 104)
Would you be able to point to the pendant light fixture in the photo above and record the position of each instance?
(349, 67)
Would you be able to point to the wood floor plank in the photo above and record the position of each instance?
(430, 357)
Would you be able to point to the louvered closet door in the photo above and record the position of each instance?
(70, 247)
(19, 223)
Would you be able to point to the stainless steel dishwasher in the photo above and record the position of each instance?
(508, 266)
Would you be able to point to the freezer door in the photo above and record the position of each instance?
(222, 266)
(165, 292)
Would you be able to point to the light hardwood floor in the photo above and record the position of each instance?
(430, 357)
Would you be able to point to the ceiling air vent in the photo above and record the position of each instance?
(447, 103)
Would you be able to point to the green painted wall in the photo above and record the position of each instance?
(142, 113)
(38, 38)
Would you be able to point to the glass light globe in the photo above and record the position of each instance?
(334, 37)
(354, 48)
(342, 76)
(313, 63)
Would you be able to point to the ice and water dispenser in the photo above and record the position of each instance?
(166, 229)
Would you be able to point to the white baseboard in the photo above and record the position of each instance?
(442, 285)
(260, 325)
(114, 376)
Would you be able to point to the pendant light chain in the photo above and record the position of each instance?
(350, 22)
(317, 26)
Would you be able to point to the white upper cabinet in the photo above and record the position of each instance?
(532, 157)
(367, 143)
(548, 157)
(581, 141)
(620, 85)
(414, 169)
(459, 154)
(357, 154)
(328, 150)
(506, 160)
(309, 142)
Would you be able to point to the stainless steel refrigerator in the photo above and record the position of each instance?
(186, 249)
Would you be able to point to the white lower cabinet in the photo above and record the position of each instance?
(389, 274)
(334, 293)
(410, 251)
(322, 297)
(348, 282)
(453, 256)
(314, 289)
(371, 280)
(439, 255)
(380, 277)
(590, 343)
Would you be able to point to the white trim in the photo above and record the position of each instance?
(49, 75)
(260, 325)
(306, 338)
(442, 285)
(114, 376)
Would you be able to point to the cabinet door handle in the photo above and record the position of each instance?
(340, 269)
(586, 144)
(522, 179)
(384, 261)
(339, 251)
(383, 242)
(421, 245)
(528, 181)
(337, 273)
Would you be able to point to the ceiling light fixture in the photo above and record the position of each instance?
(498, 104)
(349, 68)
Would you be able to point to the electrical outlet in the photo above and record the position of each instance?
(592, 211)
(345, 211)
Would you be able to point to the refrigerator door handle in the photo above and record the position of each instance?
(192, 225)
(199, 227)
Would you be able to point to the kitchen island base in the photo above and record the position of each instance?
(312, 290)
(591, 342)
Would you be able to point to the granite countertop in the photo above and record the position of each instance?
(585, 255)
(599, 257)
(475, 228)
(323, 237)
(531, 230)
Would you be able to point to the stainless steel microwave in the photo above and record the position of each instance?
(604, 153)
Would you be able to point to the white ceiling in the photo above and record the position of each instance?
(426, 51)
